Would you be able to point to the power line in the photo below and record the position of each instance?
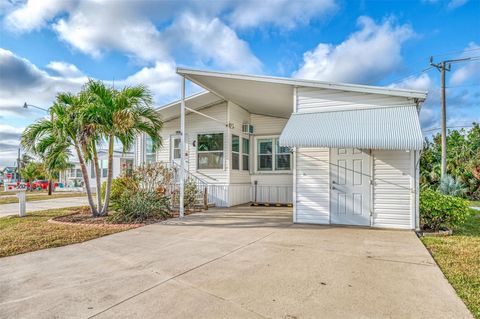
(455, 52)
(448, 127)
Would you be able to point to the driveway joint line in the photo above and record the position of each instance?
(179, 275)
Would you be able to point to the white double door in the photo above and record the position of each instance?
(350, 178)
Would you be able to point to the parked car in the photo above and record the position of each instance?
(40, 184)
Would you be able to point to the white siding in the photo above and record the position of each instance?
(267, 125)
(316, 100)
(313, 186)
(239, 116)
(197, 124)
(392, 191)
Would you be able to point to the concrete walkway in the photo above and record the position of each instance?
(12, 209)
(239, 263)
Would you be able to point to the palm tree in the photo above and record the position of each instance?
(120, 115)
(52, 139)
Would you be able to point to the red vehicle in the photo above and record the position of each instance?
(40, 184)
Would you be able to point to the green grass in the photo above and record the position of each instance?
(24, 234)
(459, 258)
(475, 203)
(35, 196)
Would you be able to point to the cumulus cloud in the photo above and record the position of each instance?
(212, 42)
(285, 14)
(423, 82)
(466, 71)
(9, 143)
(34, 15)
(64, 69)
(366, 56)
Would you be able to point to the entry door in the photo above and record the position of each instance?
(350, 186)
(175, 151)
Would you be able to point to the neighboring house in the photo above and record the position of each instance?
(121, 161)
(340, 153)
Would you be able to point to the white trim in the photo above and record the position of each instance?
(306, 83)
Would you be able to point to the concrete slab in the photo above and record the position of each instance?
(231, 263)
(12, 209)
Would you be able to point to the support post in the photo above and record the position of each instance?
(444, 122)
(182, 150)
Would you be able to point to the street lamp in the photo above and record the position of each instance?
(26, 105)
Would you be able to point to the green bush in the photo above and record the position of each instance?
(439, 211)
(139, 206)
(119, 186)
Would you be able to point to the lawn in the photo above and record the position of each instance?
(23, 234)
(475, 203)
(9, 197)
(459, 258)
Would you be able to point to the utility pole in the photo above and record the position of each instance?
(445, 65)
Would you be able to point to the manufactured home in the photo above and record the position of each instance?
(338, 153)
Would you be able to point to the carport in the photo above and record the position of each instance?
(230, 263)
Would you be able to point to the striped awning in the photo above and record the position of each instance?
(388, 128)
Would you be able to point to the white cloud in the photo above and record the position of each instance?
(212, 42)
(98, 27)
(465, 71)
(453, 4)
(423, 82)
(64, 69)
(34, 15)
(284, 14)
(366, 56)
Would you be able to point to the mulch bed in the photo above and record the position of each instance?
(83, 217)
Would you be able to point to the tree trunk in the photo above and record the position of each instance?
(98, 178)
(50, 184)
(109, 176)
(86, 180)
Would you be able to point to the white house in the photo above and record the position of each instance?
(340, 153)
(121, 161)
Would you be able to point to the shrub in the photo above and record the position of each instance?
(448, 186)
(190, 195)
(439, 211)
(139, 206)
(119, 186)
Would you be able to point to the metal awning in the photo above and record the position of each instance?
(389, 128)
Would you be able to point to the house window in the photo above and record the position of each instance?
(235, 152)
(282, 157)
(104, 168)
(210, 151)
(265, 155)
(79, 173)
(270, 158)
(149, 153)
(177, 153)
(245, 154)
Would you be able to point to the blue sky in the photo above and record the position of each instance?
(48, 46)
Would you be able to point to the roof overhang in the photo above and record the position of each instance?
(389, 128)
(195, 101)
(273, 96)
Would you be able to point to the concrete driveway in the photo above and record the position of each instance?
(239, 263)
(33, 206)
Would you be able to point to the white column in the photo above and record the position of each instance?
(182, 149)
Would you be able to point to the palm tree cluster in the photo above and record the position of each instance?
(83, 122)
(463, 162)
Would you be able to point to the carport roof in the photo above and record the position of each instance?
(273, 96)
(392, 128)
